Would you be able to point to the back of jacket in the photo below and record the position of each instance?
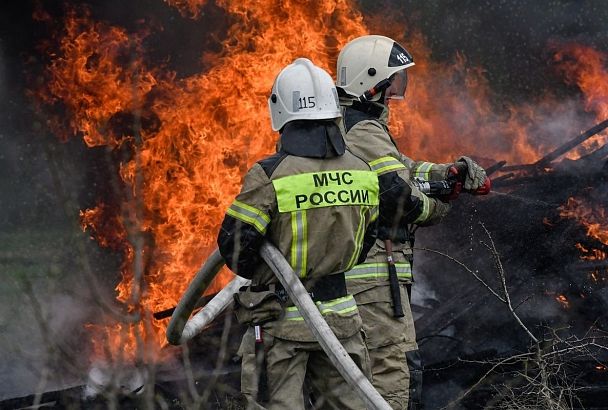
(316, 211)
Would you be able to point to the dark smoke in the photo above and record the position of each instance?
(509, 39)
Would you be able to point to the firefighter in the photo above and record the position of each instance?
(372, 70)
(317, 203)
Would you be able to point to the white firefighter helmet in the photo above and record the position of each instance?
(369, 60)
(302, 91)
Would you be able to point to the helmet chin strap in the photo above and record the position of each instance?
(375, 90)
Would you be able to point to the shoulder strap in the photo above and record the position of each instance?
(271, 163)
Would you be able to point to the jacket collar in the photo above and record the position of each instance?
(313, 139)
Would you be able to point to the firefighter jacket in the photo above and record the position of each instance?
(316, 202)
(367, 135)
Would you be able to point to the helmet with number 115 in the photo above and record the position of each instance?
(302, 91)
(372, 66)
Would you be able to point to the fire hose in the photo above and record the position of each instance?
(176, 332)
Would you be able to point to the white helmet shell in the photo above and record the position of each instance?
(302, 91)
(367, 60)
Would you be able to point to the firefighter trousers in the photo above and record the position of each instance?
(388, 340)
(290, 363)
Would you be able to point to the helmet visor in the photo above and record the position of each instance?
(396, 91)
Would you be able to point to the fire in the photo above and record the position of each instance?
(191, 8)
(587, 68)
(563, 300)
(189, 141)
(184, 144)
(598, 275)
(594, 219)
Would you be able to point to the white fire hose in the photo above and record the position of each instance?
(183, 310)
(180, 329)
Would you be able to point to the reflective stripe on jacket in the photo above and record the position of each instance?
(316, 211)
(379, 271)
(339, 306)
(319, 213)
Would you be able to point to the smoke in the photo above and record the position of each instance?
(3, 68)
(42, 336)
(509, 39)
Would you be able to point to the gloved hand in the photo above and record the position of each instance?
(474, 176)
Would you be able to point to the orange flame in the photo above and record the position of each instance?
(563, 300)
(189, 141)
(586, 68)
(594, 219)
(188, 8)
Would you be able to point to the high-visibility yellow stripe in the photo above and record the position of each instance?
(249, 215)
(423, 170)
(299, 243)
(323, 189)
(388, 168)
(252, 209)
(358, 239)
(304, 244)
(338, 306)
(294, 242)
(385, 164)
(378, 271)
(340, 312)
(374, 213)
(426, 210)
(334, 302)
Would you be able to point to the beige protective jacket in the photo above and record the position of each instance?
(316, 212)
(367, 135)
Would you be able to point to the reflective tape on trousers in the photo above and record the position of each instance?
(378, 271)
(340, 306)
(323, 189)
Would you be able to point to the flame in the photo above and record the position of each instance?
(594, 219)
(183, 144)
(188, 142)
(563, 300)
(587, 68)
(188, 8)
(548, 222)
(599, 275)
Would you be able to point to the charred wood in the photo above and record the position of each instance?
(493, 168)
(571, 144)
(561, 150)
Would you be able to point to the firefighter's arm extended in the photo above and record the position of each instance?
(428, 171)
(470, 173)
(401, 203)
(246, 222)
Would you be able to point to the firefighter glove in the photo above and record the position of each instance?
(474, 176)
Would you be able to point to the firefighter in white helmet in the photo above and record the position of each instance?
(371, 71)
(317, 203)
